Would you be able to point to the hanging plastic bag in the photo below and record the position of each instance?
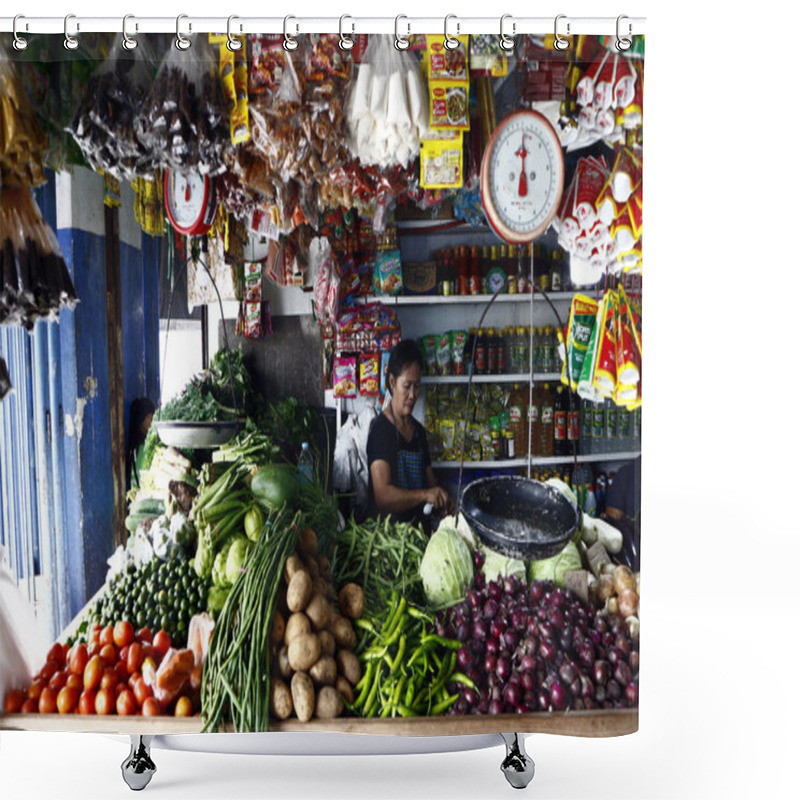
(103, 125)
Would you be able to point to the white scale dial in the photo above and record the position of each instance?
(522, 176)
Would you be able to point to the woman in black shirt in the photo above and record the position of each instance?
(401, 479)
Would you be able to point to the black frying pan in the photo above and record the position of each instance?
(519, 517)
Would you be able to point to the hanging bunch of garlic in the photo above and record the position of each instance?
(387, 110)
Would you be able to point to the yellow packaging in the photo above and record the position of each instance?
(441, 161)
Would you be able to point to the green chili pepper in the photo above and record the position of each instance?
(441, 707)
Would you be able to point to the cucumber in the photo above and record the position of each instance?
(132, 521)
(149, 507)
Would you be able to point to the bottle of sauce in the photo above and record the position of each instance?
(502, 350)
(485, 263)
(547, 422)
(463, 270)
(518, 418)
(560, 414)
(547, 350)
(510, 267)
(474, 275)
(524, 344)
(468, 345)
(491, 352)
(523, 267)
(573, 423)
(480, 354)
(535, 421)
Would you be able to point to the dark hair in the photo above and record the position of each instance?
(403, 355)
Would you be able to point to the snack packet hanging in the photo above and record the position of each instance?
(345, 377)
(582, 321)
(605, 367)
(369, 377)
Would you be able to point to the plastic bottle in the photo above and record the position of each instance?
(485, 264)
(524, 334)
(474, 275)
(518, 418)
(573, 423)
(600, 492)
(510, 266)
(547, 350)
(535, 421)
(523, 268)
(561, 413)
(636, 441)
(589, 501)
(547, 422)
(480, 354)
(502, 351)
(585, 447)
(491, 352)
(305, 465)
(623, 428)
(598, 427)
(611, 426)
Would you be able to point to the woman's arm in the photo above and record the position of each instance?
(392, 499)
(446, 504)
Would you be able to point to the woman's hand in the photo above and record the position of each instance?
(439, 498)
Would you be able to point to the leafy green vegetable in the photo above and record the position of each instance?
(446, 568)
(289, 423)
(497, 566)
(216, 598)
(553, 569)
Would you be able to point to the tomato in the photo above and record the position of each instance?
(144, 635)
(68, 700)
(48, 670)
(35, 689)
(121, 668)
(120, 688)
(148, 651)
(47, 701)
(133, 678)
(107, 635)
(123, 633)
(30, 706)
(93, 673)
(13, 702)
(58, 681)
(56, 653)
(109, 654)
(183, 708)
(162, 642)
(105, 702)
(86, 703)
(151, 707)
(123, 654)
(93, 649)
(79, 656)
(76, 681)
(135, 657)
(126, 703)
(141, 691)
(109, 678)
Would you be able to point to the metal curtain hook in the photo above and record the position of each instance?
(625, 43)
(128, 41)
(506, 41)
(19, 42)
(561, 43)
(400, 42)
(450, 42)
(289, 42)
(346, 42)
(181, 42)
(70, 42)
(233, 42)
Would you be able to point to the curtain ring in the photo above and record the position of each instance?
(346, 42)
(181, 42)
(561, 43)
(506, 41)
(19, 42)
(128, 42)
(400, 42)
(623, 44)
(450, 42)
(233, 42)
(289, 42)
(70, 42)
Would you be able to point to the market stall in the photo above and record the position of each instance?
(306, 204)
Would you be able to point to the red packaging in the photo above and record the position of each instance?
(605, 371)
(586, 85)
(590, 178)
(345, 376)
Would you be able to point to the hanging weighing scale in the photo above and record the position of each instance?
(191, 202)
(522, 177)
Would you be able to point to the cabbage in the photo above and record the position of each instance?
(462, 528)
(564, 489)
(553, 569)
(445, 568)
(497, 566)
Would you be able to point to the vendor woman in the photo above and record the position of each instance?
(401, 479)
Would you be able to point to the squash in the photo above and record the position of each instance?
(275, 484)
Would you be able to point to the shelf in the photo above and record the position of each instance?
(458, 299)
(439, 225)
(538, 461)
(511, 377)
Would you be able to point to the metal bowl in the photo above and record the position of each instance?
(196, 435)
(519, 517)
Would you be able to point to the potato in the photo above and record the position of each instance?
(318, 611)
(349, 666)
(327, 642)
(299, 592)
(329, 703)
(324, 564)
(605, 587)
(323, 587)
(345, 689)
(293, 564)
(280, 699)
(324, 671)
(307, 542)
(303, 696)
(278, 629)
(312, 567)
(304, 651)
(343, 633)
(284, 668)
(351, 601)
(297, 624)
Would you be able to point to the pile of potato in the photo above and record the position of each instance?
(618, 589)
(314, 668)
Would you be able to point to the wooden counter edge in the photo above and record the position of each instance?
(589, 724)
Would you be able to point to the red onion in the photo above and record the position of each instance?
(601, 672)
(558, 696)
(623, 673)
(632, 694)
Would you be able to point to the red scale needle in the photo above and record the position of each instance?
(523, 178)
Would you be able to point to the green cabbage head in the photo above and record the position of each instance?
(553, 569)
(445, 569)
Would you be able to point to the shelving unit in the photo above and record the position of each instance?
(537, 461)
(458, 299)
(510, 377)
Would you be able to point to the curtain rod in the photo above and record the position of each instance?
(349, 25)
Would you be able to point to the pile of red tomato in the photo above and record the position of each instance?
(111, 674)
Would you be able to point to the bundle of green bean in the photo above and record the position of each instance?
(409, 668)
(235, 673)
(382, 557)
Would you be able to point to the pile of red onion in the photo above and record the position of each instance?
(538, 648)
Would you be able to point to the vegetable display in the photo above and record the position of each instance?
(446, 568)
